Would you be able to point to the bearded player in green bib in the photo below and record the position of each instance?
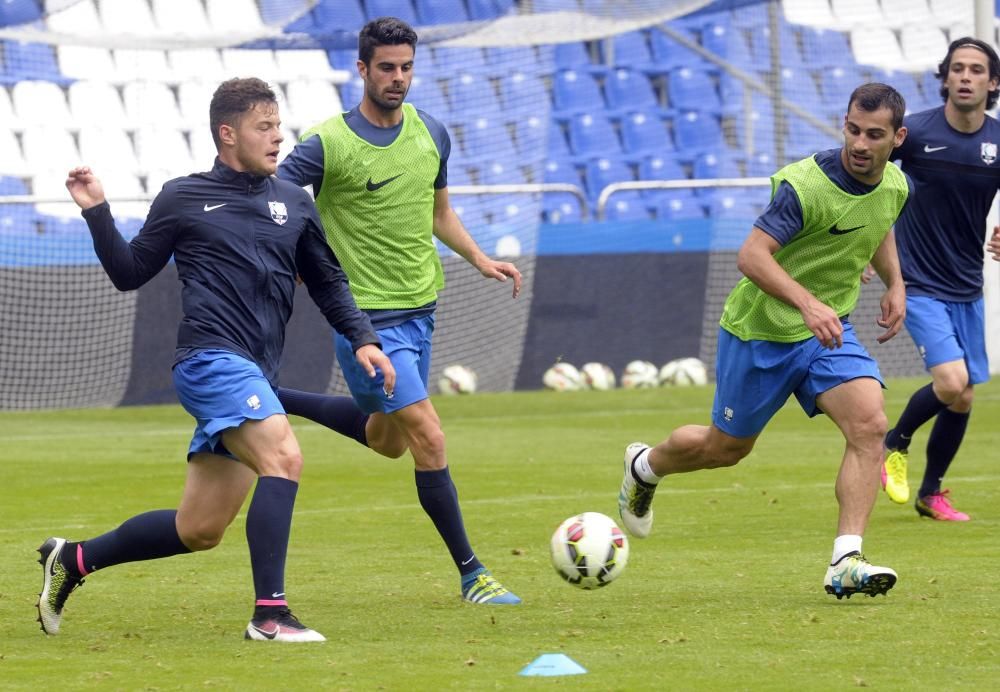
(785, 330)
(379, 173)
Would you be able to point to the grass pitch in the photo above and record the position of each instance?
(726, 593)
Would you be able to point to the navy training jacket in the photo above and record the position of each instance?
(238, 241)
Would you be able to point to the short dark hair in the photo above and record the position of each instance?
(232, 99)
(991, 58)
(875, 95)
(384, 31)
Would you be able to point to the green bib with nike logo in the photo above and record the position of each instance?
(840, 233)
(377, 207)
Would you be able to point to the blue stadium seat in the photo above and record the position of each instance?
(733, 205)
(663, 168)
(472, 95)
(714, 165)
(9, 185)
(644, 132)
(692, 89)
(673, 207)
(599, 173)
(31, 61)
(575, 91)
(401, 9)
(720, 37)
(486, 141)
(592, 134)
(339, 15)
(561, 170)
(630, 49)
(305, 24)
(805, 139)
(469, 60)
(531, 133)
(574, 56)
(836, 85)
(788, 48)
(696, 131)
(558, 141)
(752, 16)
(561, 207)
(668, 53)
(761, 120)
(761, 165)
(932, 88)
(907, 85)
(501, 172)
(459, 173)
(441, 11)
(629, 90)
(486, 9)
(351, 92)
(799, 87)
(825, 47)
(344, 59)
(502, 61)
(13, 12)
(426, 94)
(524, 95)
(626, 206)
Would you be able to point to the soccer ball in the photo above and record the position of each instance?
(639, 374)
(589, 550)
(684, 372)
(457, 379)
(563, 377)
(598, 376)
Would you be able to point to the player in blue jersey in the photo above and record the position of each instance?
(380, 176)
(785, 330)
(951, 154)
(239, 237)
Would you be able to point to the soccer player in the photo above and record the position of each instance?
(785, 330)
(951, 156)
(239, 237)
(379, 175)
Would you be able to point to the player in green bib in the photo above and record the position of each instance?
(785, 330)
(379, 173)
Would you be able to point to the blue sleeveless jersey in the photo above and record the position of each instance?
(941, 233)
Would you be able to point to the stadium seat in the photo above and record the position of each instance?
(561, 170)
(40, 103)
(278, 12)
(825, 47)
(899, 13)
(25, 60)
(669, 54)
(626, 206)
(644, 132)
(502, 61)
(50, 183)
(107, 149)
(200, 64)
(799, 87)
(524, 95)
(470, 212)
(243, 62)
(97, 103)
(12, 185)
(761, 165)
(427, 95)
(836, 85)
(851, 14)
(721, 38)
(629, 49)
(163, 148)
(487, 141)
(448, 60)
(733, 205)
(809, 12)
(127, 17)
(713, 165)
(948, 11)
(558, 141)
(12, 162)
(573, 55)
(574, 92)
(592, 134)
(132, 64)
(15, 12)
(347, 59)
(530, 134)
(697, 131)
(931, 87)
(77, 18)
(678, 207)
(86, 62)
(351, 92)
(692, 89)
(8, 117)
(503, 171)
(805, 139)
(179, 16)
(922, 46)
(601, 172)
(303, 63)
(150, 103)
(338, 15)
(877, 46)
(471, 95)
(629, 90)
(440, 11)
(665, 168)
(402, 9)
(203, 149)
(194, 97)
(561, 207)
(230, 17)
(310, 102)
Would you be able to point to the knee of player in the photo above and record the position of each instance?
(201, 538)
(950, 388)
(729, 455)
(289, 462)
(428, 439)
(869, 430)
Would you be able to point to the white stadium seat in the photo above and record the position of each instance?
(850, 14)
(77, 18)
(203, 149)
(49, 181)
(899, 13)
(107, 149)
(303, 64)
(242, 62)
(150, 103)
(233, 16)
(96, 103)
(126, 17)
(950, 11)
(132, 64)
(309, 102)
(922, 45)
(179, 16)
(877, 46)
(809, 12)
(85, 62)
(194, 98)
(163, 148)
(11, 159)
(8, 117)
(40, 103)
(196, 63)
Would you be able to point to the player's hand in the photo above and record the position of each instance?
(893, 313)
(85, 187)
(993, 245)
(824, 323)
(868, 274)
(500, 271)
(370, 357)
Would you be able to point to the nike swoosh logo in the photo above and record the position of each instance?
(371, 187)
(215, 206)
(268, 635)
(277, 595)
(928, 149)
(465, 562)
(843, 231)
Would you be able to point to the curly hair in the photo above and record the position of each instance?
(233, 98)
(384, 31)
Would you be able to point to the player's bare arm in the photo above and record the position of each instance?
(993, 245)
(893, 301)
(756, 261)
(85, 187)
(449, 230)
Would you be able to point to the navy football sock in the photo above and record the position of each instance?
(946, 437)
(269, 522)
(146, 536)
(923, 406)
(439, 498)
(339, 413)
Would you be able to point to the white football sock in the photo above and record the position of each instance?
(843, 545)
(640, 467)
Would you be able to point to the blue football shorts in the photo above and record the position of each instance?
(408, 346)
(945, 331)
(221, 390)
(755, 378)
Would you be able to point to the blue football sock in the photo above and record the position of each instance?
(339, 413)
(923, 406)
(439, 498)
(148, 536)
(946, 437)
(269, 522)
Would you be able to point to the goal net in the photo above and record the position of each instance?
(548, 102)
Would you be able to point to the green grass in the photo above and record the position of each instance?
(726, 593)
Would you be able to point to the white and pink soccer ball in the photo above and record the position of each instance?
(458, 379)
